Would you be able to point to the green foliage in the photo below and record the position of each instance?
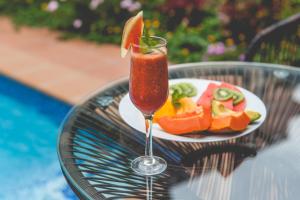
(189, 44)
(191, 27)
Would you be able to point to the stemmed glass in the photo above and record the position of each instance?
(148, 90)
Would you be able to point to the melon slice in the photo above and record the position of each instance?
(207, 97)
(132, 33)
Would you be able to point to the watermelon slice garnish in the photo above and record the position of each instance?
(132, 32)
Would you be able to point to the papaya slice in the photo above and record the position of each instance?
(186, 123)
(233, 122)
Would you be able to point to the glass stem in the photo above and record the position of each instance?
(149, 187)
(148, 124)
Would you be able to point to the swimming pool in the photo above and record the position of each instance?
(29, 122)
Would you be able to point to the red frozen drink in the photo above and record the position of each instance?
(148, 84)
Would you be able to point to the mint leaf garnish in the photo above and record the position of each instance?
(148, 43)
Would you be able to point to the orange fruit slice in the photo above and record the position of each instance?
(166, 110)
(132, 32)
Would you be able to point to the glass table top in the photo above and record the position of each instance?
(96, 146)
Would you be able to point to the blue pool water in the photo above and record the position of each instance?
(29, 122)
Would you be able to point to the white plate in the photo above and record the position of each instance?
(134, 118)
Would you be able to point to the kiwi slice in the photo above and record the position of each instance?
(253, 115)
(185, 89)
(176, 88)
(181, 90)
(237, 97)
(189, 89)
(223, 94)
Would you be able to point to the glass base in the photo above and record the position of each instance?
(146, 165)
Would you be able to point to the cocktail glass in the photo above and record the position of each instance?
(148, 90)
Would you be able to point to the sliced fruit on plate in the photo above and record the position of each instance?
(208, 113)
(186, 123)
(132, 33)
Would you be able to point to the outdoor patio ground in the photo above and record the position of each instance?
(69, 70)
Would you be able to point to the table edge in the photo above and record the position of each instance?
(125, 79)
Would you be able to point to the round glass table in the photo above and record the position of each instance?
(96, 146)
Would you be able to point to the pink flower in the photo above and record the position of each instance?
(95, 3)
(77, 23)
(223, 18)
(125, 4)
(52, 6)
(242, 57)
(135, 6)
(130, 5)
(216, 49)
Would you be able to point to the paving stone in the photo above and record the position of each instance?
(66, 69)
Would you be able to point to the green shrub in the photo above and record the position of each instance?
(192, 27)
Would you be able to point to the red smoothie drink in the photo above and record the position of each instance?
(148, 91)
(148, 84)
